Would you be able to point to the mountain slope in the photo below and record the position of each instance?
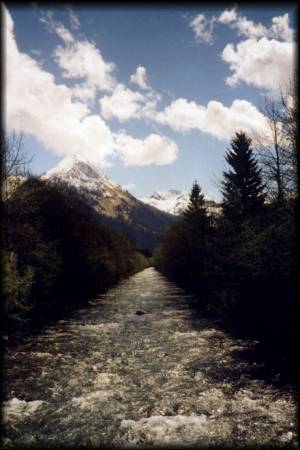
(141, 223)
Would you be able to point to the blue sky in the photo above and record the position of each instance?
(150, 96)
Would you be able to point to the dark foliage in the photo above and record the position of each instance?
(57, 252)
(243, 265)
(242, 186)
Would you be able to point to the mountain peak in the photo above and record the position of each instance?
(114, 205)
(172, 201)
(175, 202)
(68, 163)
(79, 172)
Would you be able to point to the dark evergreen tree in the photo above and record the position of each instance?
(196, 206)
(242, 187)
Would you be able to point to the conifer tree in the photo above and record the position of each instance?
(196, 206)
(242, 187)
(196, 221)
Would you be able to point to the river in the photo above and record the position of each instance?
(135, 368)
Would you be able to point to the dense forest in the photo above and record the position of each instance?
(242, 263)
(56, 252)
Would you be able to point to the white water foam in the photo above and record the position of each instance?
(16, 409)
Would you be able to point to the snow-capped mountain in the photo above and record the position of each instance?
(175, 202)
(172, 201)
(78, 172)
(140, 222)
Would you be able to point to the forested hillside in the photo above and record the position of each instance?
(56, 253)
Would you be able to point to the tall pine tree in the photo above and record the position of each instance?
(196, 206)
(242, 187)
(197, 221)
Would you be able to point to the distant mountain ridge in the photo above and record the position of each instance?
(175, 202)
(172, 201)
(142, 223)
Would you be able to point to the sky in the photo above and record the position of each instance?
(150, 96)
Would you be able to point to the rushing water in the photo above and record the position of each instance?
(110, 376)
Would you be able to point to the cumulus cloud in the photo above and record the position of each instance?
(82, 59)
(265, 58)
(125, 104)
(244, 26)
(140, 78)
(228, 16)
(203, 28)
(182, 115)
(280, 28)
(84, 92)
(215, 118)
(35, 104)
(263, 63)
(155, 149)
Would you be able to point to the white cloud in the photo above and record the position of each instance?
(182, 115)
(81, 59)
(155, 149)
(140, 78)
(265, 59)
(123, 104)
(216, 119)
(280, 28)
(36, 105)
(263, 63)
(56, 27)
(203, 28)
(244, 26)
(228, 16)
(84, 92)
(74, 21)
(64, 34)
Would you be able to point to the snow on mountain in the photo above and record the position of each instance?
(172, 201)
(140, 222)
(175, 202)
(78, 172)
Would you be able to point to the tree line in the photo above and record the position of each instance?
(242, 263)
(56, 252)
